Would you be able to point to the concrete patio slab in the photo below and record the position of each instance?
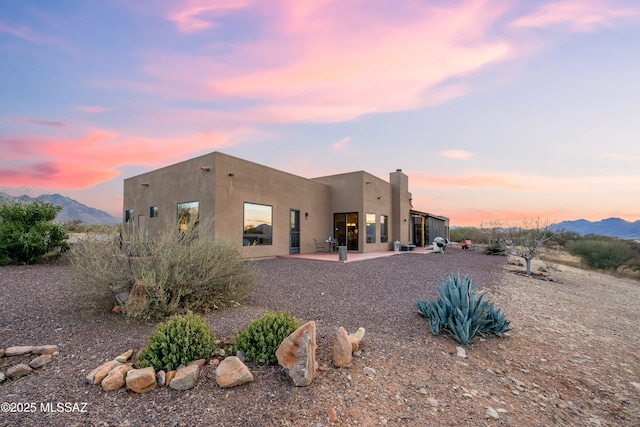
(354, 256)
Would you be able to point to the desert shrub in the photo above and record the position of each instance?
(602, 254)
(263, 336)
(28, 233)
(564, 237)
(476, 235)
(172, 272)
(496, 248)
(634, 265)
(182, 339)
(77, 226)
(461, 312)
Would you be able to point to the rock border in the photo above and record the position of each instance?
(44, 354)
(296, 355)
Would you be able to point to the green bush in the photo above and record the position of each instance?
(496, 249)
(173, 272)
(476, 235)
(461, 312)
(602, 254)
(263, 336)
(29, 235)
(182, 339)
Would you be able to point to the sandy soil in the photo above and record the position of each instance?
(572, 358)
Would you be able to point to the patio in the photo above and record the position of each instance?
(354, 256)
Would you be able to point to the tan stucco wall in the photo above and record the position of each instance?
(363, 193)
(223, 197)
(168, 186)
(222, 184)
(254, 183)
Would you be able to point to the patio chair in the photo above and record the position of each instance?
(320, 245)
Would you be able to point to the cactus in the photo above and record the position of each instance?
(461, 312)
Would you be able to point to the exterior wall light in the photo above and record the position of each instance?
(145, 184)
(231, 174)
(204, 168)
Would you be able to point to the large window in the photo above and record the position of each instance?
(257, 224)
(371, 227)
(384, 228)
(188, 214)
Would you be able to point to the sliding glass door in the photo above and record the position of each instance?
(346, 229)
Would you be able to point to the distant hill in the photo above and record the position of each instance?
(612, 227)
(71, 209)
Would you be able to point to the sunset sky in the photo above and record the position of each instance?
(495, 109)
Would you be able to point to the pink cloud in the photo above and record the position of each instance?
(95, 158)
(456, 154)
(48, 123)
(342, 144)
(199, 14)
(549, 185)
(579, 15)
(331, 61)
(25, 33)
(91, 109)
(467, 181)
(622, 157)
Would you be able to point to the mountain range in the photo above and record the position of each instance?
(72, 210)
(612, 227)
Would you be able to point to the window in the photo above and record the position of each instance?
(153, 212)
(188, 213)
(257, 225)
(384, 228)
(128, 215)
(371, 227)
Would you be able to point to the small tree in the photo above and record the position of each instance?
(28, 233)
(526, 239)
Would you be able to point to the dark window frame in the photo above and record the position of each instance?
(258, 235)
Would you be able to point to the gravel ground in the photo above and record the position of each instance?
(403, 375)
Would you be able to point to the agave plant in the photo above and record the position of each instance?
(461, 312)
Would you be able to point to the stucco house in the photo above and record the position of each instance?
(272, 212)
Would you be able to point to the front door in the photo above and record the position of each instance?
(346, 230)
(294, 232)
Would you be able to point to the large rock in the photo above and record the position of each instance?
(18, 350)
(115, 379)
(40, 361)
(141, 380)
(19, 370)
(170, 375)
(342, 349)
(185, 378)
(297, 354)
(124, 356)
(232, 372)
(137, 297)
(355, 339)
(96, 376)
(44, 349)
(161, 378)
